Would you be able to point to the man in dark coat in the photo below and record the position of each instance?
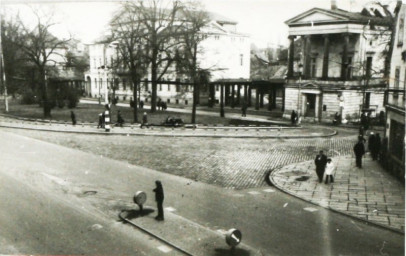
(159, 198)
(120, 120)
(293, 117)
(320, 161)
(371, 144)
(244, 109)
(73, 117)
(359, 150)
(377, 147)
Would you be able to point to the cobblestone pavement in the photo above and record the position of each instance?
(369, 193)
(228, 162)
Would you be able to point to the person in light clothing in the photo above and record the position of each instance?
(329, 170)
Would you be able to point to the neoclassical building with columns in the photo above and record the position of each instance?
(341, 65)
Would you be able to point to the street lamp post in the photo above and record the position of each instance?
(299, 90)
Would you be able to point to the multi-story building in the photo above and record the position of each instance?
(341, 66)
(224, 51)
(395, 105)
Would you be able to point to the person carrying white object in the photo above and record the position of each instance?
(329, 170)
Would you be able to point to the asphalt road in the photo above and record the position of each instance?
(43, 203)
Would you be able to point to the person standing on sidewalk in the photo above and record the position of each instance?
(359, 150)
(371, 144)
(329, 171)
(244, 109)
(144, 120)
(293, 117)
(73, 117)
(320, 161)
(159, 198)
(377, 147)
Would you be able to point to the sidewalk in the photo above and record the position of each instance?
(199, 131)
(368, 194)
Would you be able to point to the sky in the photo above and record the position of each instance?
(262, 20)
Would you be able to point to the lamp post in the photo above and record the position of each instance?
(299, 90)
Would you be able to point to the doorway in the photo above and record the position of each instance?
(310, 105)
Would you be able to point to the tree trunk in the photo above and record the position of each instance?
(44, 94)
(154, 77)
(135, 113)
(195, 89)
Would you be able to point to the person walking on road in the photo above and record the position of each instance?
(293, 117)
(329, 171)
(359, 150)
(371, 144)
(244, 109)
(320, 161)
(144, 120)
(73, 117)
(159, 198)
(377, 145)
(120, 120)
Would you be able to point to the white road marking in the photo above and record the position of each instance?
(310, 209)
(254, 193)
(170, 209)
(164, 248)
(269, 190)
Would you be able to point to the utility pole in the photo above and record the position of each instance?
(3, 78)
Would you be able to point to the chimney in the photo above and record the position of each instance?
(333, 4)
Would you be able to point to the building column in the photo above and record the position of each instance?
(249, 96)
(307, 57)
(256, 99)
(261, 99)
(227, 95)
(221, 100)
(291, 56)
(325, 57)
(344, 60)
(245, 94)
(270, 102)
(232, 96)
(238, 94)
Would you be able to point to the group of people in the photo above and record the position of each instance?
(374, 147)
(324, 165)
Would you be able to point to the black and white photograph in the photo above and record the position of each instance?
(202, 127)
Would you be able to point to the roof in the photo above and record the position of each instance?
(341, 16)
(221, 19)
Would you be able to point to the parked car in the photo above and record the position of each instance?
(173, 121)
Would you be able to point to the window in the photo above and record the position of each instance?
(160, 87)
(94, 63)
(397, 82)
(368, 67)
(124, 84)
(217, 37)
(95, 83)
(100, 83)
(169, 87)
(349, 68)
(313, 68)
(241, 59)
(217, 88)
(401, 31)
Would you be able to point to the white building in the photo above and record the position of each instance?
(395, 105)
(341, 64)
(224, 51)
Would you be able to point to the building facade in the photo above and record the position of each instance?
(395, 105)
(341, 65)
(224, 51)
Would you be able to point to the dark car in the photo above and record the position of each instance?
(173, 121)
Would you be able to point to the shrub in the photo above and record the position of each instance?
(28, 98)
(73, 99)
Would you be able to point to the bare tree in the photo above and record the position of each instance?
(195, 20)
(129, 33)
(161, 25)
(39, 46)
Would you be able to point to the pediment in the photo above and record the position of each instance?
(310, 86)
(316, 15)
(213, 27)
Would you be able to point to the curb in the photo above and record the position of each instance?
(179, 135)
(152, 234)
(329, 208)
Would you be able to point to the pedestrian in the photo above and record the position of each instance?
(364, 121)
(377, 146)
(101, 121)
(159, 198)
(293, 117)
(320, 161)
(361, 130)
(120, 120)
(73, 117)
(244, 109)
(141, 104)
(337, 119)
(144, 120)
(359, 150)
(159, 104)
(329, 171)
(371, 144)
